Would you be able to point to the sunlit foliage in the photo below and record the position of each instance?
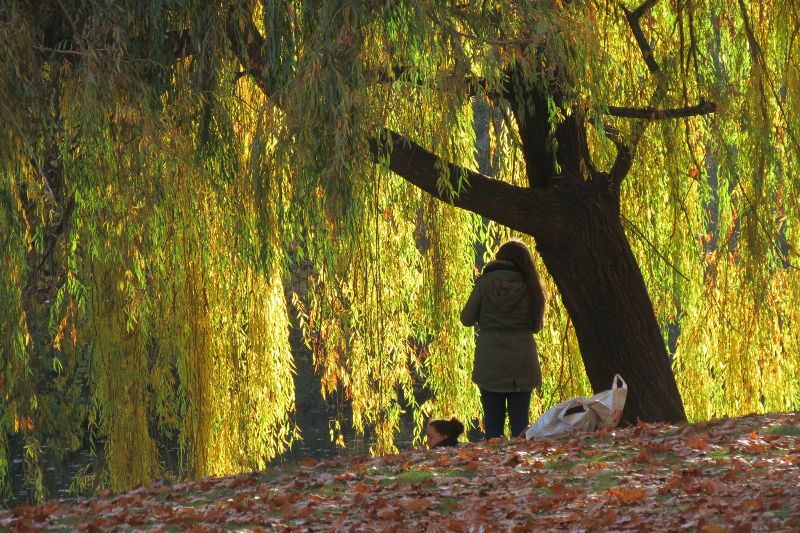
(158, 205)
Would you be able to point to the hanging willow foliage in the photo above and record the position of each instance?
(166, 177)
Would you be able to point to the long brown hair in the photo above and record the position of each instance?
(515, 251)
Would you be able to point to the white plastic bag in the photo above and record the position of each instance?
(603, 410)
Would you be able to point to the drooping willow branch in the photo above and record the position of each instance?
(519, 208)
(650, 113)
(624, 153)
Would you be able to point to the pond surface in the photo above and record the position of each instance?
(313, 416)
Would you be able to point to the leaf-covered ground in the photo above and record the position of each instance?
(739, 474)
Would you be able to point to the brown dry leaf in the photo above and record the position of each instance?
(362, 488)
(472, 466)
(731, 476)
(466, 453)
(693, 488)
(607, 517)
(627, 495)
(162, 513)
(454, 524)
(708, 485)
(697, 442)
(215, 514)
(443, 460)
(751, 504)
(280, 500)
(416, 504)
(643, 457)
(713, 528)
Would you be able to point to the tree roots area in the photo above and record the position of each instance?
(737, 474)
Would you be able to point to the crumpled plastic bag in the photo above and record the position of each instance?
(603, 410)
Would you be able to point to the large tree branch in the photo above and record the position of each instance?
(523, 209)
(519, 208)
(650, 113)
(623, 161)
(633, 21)
(248, 45)
(624, 152)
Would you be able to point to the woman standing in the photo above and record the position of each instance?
(506, 306)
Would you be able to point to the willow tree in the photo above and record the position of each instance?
(177, 177)
(554, 72)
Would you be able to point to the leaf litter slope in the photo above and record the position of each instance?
(738, 474)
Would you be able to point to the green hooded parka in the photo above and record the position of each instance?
(505, 352)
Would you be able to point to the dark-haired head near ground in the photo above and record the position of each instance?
(506, 307)
(443, 433)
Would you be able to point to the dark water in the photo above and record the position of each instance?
(315, 443)
(313, 416)
(58, 475)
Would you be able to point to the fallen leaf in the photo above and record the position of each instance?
(472, 466)
(697, 443)
(443, 460)
(417, 504)
(627, 495)
(362, 488)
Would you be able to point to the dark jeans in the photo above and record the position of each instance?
(495, 407)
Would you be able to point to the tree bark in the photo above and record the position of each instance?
(590, 259)
(602, 288)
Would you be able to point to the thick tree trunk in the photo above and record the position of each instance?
(576, 225)
(586, 251)
(603, 290)
(578, 233)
